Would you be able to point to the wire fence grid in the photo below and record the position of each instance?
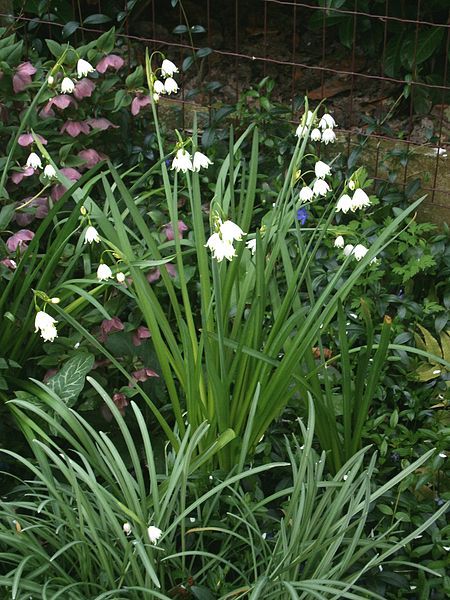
(319, 48)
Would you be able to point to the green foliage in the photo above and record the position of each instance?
(408, 51)
(64, 532)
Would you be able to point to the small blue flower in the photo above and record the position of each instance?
(302, 215)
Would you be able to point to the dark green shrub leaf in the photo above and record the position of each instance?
(69, 28)
(96, 19)
(202, 52)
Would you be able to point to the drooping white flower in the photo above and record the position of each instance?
(50, 80)
(120, 277)
(49, 172)
(305, 123)
(348, 249)
(339, 242)
(328, 136)
(327, 122)
(168, 68)
(67, 85)
(103, 272)
(359, 251)
(200, 161)
(321, 169)
(55, 300)
(229, 231)
(158, 87)
(220, 248)
(46, 325)
(91, 235)
(154, 533)
(301, 131)
(316, 135)
(43, 320)
(351, 185)
(360, 200)
(306, 194)
(126, 528)
(344, 203)
(155, 98)
(34, 161)
(251, 245)
(83, 68)
(182, 161)
(320, 187)
(171, 86)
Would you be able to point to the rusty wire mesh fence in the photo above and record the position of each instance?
(381, 66)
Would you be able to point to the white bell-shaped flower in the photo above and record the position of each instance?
(154, 533)
(171, 86)
(339, 242)
(67, 85)
(34, 161)
(360, 200)
(327, 122)
(168, 68)
(84, 68)
(158, 87)
(103, 272)
(91, 235)
(316, 135)
(182, 161)
(49, 172)
(200, 161)
(306, 194)
(328, 136)
(229, 231)
(320, 187)
(46, 325)
(344, 204)
(321, 169)
(359, 251)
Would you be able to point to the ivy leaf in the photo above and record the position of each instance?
(69, 381)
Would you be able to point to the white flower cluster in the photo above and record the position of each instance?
(358, 252)
(104, 272)
(184, 162)
(68, 84)
(320, 187)
(359, 200)
(154, 533)
(321, 130)
(34, 161)
(169, 85)
(221, 242)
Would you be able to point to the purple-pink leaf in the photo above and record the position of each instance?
(26, 139)
(101, 123)
(74, 128)
(138, 103)
(111, 61)
(109, 326)
(22, 76)
(84, 89)
(91, 157)
(168, 230)
(141, 333)
(18, 241)
(19, 175)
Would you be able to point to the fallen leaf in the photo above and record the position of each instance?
(330, 89)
